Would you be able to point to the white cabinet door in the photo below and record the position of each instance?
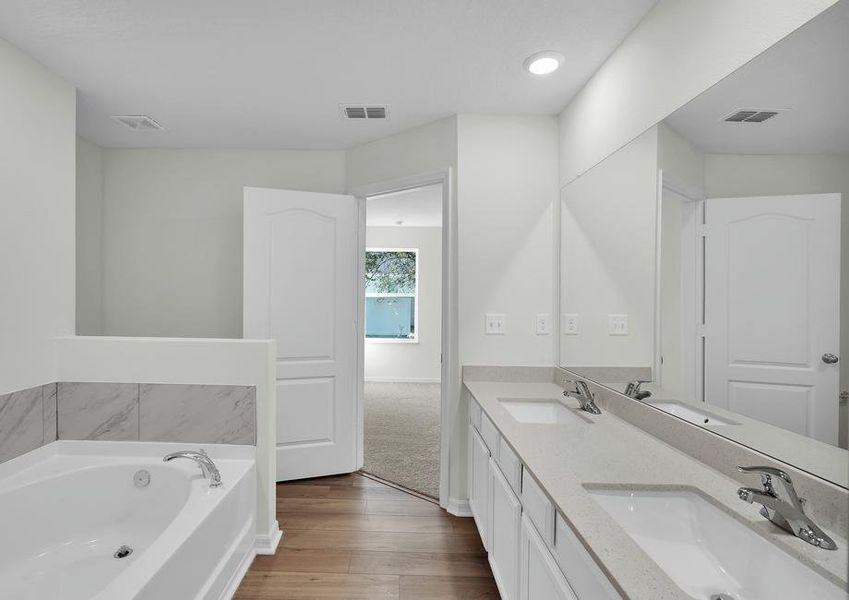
(479, 483)
(300, 288)
(504, 534)
(540, 577)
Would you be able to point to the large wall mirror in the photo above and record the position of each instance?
(709, 257)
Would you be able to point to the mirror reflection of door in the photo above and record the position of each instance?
(771, 288)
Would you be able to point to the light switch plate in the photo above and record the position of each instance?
(570, 324)
(543, 324)
(496, 324)
(617, 324)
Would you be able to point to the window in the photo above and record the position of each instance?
(391, 294)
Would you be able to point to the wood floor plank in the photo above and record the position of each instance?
(448, 588)
(298, 490)
(420, 563)
(351, 537)
(402, 506)
(363, 522)
(306, 561)
(321, 506)
(317, 586)
(383, 541)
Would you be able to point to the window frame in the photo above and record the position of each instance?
(414, 295)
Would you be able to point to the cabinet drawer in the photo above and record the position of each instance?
(490, 435)
(581, 571)
(538, 507)
(475, 414)
(510, 465)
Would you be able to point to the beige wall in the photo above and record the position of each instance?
(38, 122)
(680, 49)
(89, 238)
(172, 233)
(609, 219)
(419, 361)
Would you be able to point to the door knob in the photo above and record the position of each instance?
(829, 358)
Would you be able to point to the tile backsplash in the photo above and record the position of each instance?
(212, 414)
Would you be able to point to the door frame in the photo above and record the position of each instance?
(692, 304)
(450, 371)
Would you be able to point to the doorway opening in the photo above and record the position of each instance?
(402, 358)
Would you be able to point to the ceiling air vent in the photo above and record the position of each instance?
(750, 116)
(137, 122)
(360, 111)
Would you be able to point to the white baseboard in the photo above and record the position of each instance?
(401, 380)
(266, 543)
(459, 508)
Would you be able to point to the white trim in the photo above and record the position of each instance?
(266, 543)
(450, 373)
(657, 359)
(236, 580)
(401, 380)
(692, 257)
(459, 508)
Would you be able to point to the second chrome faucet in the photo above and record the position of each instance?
(582, 394)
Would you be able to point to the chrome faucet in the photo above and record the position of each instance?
(782, 506)
(632, 390)
(207, 467)
(584, 397)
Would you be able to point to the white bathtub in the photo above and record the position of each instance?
(67, 507)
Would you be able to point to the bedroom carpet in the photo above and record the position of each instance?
(402, 434)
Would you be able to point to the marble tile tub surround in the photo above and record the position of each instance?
(27, 420)
(152, 412)
(567, 459)
(826, 503)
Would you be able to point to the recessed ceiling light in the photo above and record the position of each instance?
(543, 63)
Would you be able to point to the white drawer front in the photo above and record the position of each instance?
(540, 577)
(490, 435)
(538, 507)
(583, 575)
(510, 465)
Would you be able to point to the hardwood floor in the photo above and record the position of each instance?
(351, 537)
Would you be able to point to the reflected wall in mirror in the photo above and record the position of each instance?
(710, 256)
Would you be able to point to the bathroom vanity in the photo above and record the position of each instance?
(575, 505)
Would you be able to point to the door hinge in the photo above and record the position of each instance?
(700, 330)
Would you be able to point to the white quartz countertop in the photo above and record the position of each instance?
(608, 451)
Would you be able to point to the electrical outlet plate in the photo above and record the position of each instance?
(543, 324)
(617, 324)
(495, 324)
(569, 324)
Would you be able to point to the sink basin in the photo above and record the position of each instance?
(708, 552)
(691, 414)
(550, 412)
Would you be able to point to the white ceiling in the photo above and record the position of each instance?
(271, 74)
(807, 72)
(419, 207)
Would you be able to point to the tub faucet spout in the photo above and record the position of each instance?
(207, 467)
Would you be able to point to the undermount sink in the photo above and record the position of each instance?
(544, 411)
(707, 552)
(691, 413)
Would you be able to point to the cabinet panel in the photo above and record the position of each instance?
(490, 435)
(540, 577)
(479, 484)
(475, 414)
(538, 507)
(583, 574)
(510, 465)
(505, 531)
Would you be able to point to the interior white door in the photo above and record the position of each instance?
(300, 288)
(772, 273)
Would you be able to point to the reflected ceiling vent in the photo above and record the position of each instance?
(751, 116)
(137, 122)
(360, 111)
